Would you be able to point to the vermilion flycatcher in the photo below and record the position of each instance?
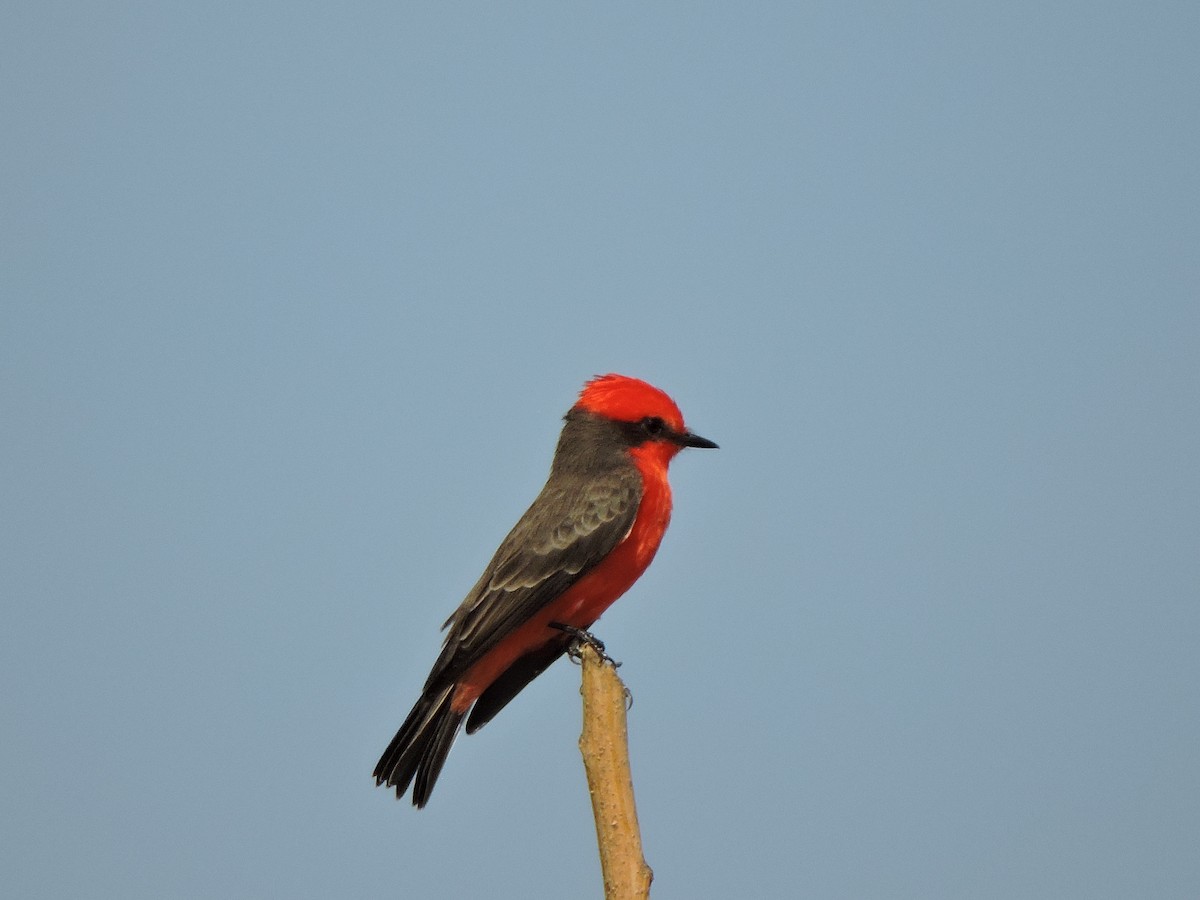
(586, 539)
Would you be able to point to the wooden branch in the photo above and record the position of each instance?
(604, 745)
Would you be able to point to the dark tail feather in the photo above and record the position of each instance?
(420, 746)
(513, 681)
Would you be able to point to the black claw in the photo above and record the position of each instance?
(580, 637)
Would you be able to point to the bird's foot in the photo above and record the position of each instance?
(580, 637)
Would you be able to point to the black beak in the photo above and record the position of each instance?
(687, 439)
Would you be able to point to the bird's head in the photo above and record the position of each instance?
(650, 419)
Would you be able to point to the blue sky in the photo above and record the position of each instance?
(293, 297)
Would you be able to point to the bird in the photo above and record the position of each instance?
(587, 537)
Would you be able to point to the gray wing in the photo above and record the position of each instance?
(573, 524)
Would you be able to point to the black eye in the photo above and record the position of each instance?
(653, 425)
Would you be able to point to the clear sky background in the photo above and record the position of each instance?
(294, 295)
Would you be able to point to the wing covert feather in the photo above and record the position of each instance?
(574, 523)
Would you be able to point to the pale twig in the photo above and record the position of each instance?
(604, 745)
